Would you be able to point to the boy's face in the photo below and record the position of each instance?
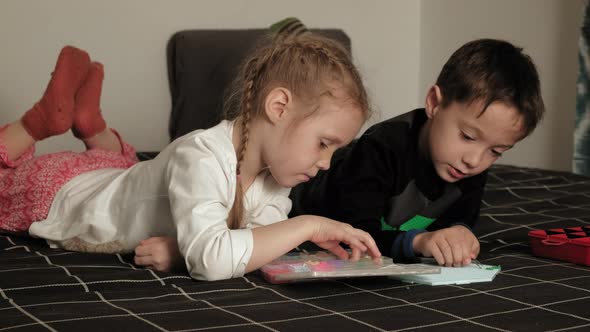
(462, 141)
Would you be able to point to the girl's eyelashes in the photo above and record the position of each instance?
(323, 145)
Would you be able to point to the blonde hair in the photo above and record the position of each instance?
(304, 64)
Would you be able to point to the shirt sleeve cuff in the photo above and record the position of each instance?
(403, 249)
(242, 254)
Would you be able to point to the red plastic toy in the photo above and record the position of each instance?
(570, 244)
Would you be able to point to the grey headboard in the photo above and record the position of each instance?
(201, 64)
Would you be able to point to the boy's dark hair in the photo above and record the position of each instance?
(493, 70)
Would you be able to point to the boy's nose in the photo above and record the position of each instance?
(473, 158)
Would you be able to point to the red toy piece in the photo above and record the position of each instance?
(571, 244)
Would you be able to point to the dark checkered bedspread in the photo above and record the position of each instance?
(42, 289)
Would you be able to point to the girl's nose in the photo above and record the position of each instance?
(325, 157)
(323, 164)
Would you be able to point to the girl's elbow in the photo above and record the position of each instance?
(212, 273)
(212, 269)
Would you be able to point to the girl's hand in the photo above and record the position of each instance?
(158, 253)
(328, 234)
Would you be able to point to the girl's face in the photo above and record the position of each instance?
(306, 145)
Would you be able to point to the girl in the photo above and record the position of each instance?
(222, 193)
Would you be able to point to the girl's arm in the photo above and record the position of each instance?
(272, 241)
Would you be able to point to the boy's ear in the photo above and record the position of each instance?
(276, 104)
(433, 100)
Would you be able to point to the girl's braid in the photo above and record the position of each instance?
(252, 71)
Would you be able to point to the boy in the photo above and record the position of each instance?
(415, 182)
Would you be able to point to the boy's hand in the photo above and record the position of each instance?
(453, 246)
(158, 253)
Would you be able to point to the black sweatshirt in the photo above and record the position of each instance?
(381, 181)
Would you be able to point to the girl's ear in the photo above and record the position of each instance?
(276, 104)
(433, 101)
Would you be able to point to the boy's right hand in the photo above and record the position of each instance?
(453, 246)
(328, 234)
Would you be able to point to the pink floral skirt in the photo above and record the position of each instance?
(29, 183)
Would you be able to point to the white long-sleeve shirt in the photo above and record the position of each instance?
(186, 192)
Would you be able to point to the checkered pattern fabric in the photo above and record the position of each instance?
(44, 289)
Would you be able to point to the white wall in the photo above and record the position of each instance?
(400, 47)
(129, 37)
(548, 30)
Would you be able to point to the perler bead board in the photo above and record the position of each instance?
(300, 266)
(570, 244)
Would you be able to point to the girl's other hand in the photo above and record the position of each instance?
(158, 253)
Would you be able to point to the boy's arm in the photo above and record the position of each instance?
(450, 239)
(358, 186)
(464, 212)
(357, 189)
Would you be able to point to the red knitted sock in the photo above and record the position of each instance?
(53, 114)
(88, 119)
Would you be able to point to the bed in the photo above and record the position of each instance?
(48, 289)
